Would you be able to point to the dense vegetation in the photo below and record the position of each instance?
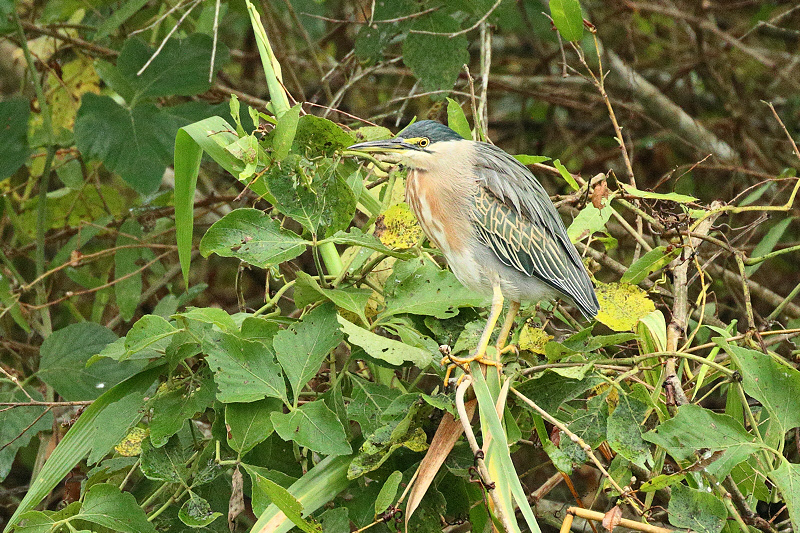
(209, 308)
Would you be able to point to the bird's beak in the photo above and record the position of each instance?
(396, 145)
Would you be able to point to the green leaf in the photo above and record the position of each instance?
(393, 352)
(167, 463)
(696, 510)
(315, 195)
(550, 390)
(302, 348)
(655, 259)
(211, 136)
(787, 478)
(14, 115)
(107, 506)
(316, 488)
(306, 290)
(436, 60)
(768, 243)
(135, 143)
(128, 286)
(381, 444)
(313, 426)
(568, 18)
(196, 512)
(624, 429)
(252, 236)
(118, 18)
(20, 424)
(531, 159)
(172, 409)
(421, 288)
(11, 304)
(688, 432)
(498, 456)
(386, 496)
(287, 503)
(372, 39)
(102, 425)
(775, 385)
(245, 371)
(283, 135)
(319, 136)
(354, 237)
(64, 355)
(589, 220)
(673, 196)
(566, 175)
(369, 401)
(180, 68)
(250, 423)
(456, 119)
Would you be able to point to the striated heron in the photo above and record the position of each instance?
(492, 220)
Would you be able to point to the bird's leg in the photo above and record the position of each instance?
(513, 308)
(479, 354)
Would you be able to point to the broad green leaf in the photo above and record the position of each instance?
(180, 68)
(302, 348)
(127, 274)
(307, 290)
(549, 390)
(196, 512)
(245, 150)
(107, 506)
(566, 175)
(14, 115)
(172, 409)
(381, 444)
(167, 463)
(372, 39)
(210, 315)
(787, 478)
(135, 143)
(272, 69)
(421, 288)
(313, 426)
(672, 196)
(148, 338)
(96, 432)
(118, 18)
(688, 432)
(245, 371)
(625, 432)
(288, 504)
(388, 493)
(775, 385)
(588, 221)
(589, 425)
(768, 243)
(697, 510)
(20, 424)
(436, 60)
(249, 423)
(317, 136)
(369, 401)
(389, 350)
(64, 355)
(252, 236)
(315, 195)
(568, 18)
(283, 135)
(456, 119)
(654, 260)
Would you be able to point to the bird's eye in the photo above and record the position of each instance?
(423, 142)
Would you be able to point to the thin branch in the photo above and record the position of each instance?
(462, 32)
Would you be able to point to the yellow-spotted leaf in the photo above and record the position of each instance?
(622, 305)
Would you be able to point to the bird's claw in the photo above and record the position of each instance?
(463, 363)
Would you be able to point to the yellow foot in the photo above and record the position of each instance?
(463, 363)
(509, 348)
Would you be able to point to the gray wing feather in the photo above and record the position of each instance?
(515, 217)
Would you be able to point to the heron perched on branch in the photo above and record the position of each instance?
(492, 220)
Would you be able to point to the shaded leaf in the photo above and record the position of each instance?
(436, 60)
(250, 423)
(697, 510)
(14, 115)
(107, 506)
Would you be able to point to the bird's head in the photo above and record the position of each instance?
(413, 146)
